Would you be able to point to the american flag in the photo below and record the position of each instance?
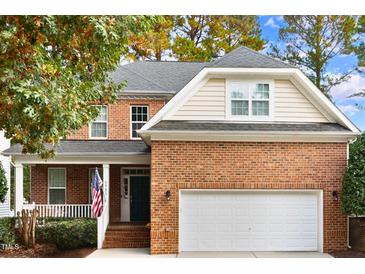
(97, 204)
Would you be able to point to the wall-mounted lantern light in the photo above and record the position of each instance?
(335, 195)
(168, 195)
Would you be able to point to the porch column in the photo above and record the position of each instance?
(103, 220)
(19, 194)
(106, 178)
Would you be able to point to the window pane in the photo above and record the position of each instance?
(57, 196)
(135, 127)
(260, 108)
(98, 129)
(139, 113)
(239, 107)
(102, 115)
(57, 178)
(261, 91)
(239, 92)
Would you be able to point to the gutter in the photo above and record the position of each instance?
(83, 154)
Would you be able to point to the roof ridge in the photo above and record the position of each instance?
(216, 62)
(221, 58)
(268, 56)
(147, 79)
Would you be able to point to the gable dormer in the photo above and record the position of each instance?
(249, 92)
(249, 99)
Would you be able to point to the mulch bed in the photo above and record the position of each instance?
(45, 251)
(348, 254)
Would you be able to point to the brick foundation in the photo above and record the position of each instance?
(231, 165)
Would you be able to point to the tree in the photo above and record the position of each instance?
(3, 184)
(53, 68)
(360, 48)
(204, 37)
(353, 186)
(312, 41)
(152, 44)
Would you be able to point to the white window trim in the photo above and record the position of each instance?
(65, 188)
(251, 84)
(107, 125)
(131, 122)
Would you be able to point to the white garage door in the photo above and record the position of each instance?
(248, 221)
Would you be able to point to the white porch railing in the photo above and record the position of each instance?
(61, 210)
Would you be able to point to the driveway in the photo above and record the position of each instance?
(144, 253)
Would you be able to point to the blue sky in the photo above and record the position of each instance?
(270, 26)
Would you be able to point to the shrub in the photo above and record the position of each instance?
(353, 186)
(7, 231)
(68, 233)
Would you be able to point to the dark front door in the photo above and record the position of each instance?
(140, 198)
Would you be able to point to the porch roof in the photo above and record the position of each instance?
(92, 147)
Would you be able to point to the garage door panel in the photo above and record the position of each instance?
(248, 221)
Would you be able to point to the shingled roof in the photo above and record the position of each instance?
(168, 125)
(92, 147)
(172, 76)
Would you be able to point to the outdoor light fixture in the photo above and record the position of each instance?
(335, 195)
(168, 195)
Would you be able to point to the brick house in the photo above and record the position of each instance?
(240, 154)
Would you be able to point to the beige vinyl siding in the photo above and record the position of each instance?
(291, 106)
(208, 103)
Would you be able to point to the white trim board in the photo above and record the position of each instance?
(247, 136)
(299, 79)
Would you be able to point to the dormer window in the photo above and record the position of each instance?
(248, 100)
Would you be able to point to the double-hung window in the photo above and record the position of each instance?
(57, 185)
(248, 99)
(99, 127)
(139, 117)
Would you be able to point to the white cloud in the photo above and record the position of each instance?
(271, 23)
(349, 110)
(351, 86)
(279, 18)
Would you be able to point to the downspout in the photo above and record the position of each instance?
(348, 217)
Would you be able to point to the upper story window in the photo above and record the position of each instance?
(139, 117)
(249, 100)
(99, 127)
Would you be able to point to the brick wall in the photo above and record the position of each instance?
(230, 165)
(77, 187)
(119, 118)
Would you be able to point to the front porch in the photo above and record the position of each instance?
(61, 187)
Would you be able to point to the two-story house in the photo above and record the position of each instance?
(240, 154)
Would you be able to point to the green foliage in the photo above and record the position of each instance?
(68, 233)
(195, 37)
(3, 184)
(7, 231)
(53, 68)
(312, 41)
(204, 37)
(152, 44)
(353, 187)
